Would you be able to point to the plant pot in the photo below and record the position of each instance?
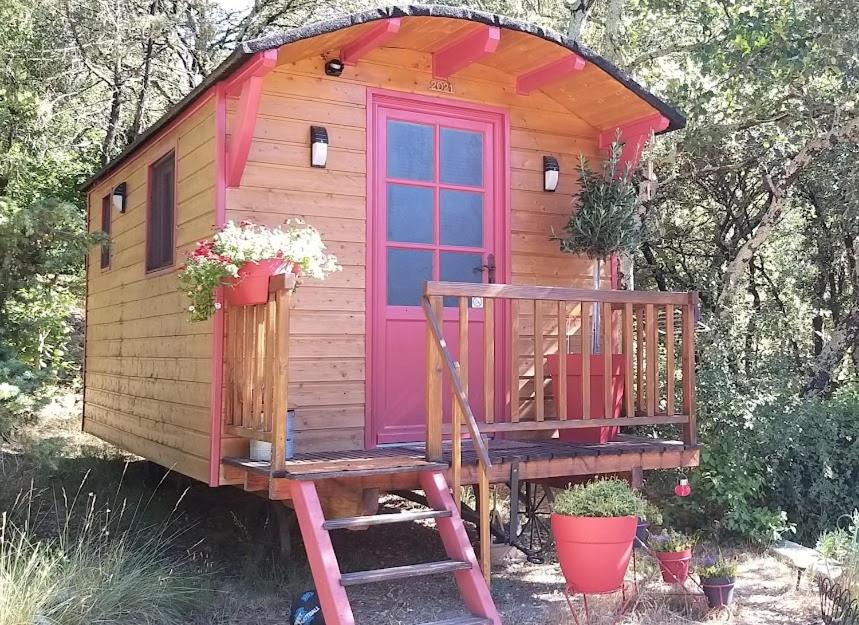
(251, 285)
(642, 531)
(596, 435)
(674, 565)
(718, 590)
(593, 552)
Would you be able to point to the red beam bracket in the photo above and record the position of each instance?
(248, 82)
(633, 135)
(372, 38)
(462, 52)
(550, 72)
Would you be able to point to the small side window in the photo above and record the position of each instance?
(105, 227)
(160, 214)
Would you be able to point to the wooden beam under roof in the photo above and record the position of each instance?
(465, 50)
(551, 72)
(374, 37)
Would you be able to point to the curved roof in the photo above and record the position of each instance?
(556, 44)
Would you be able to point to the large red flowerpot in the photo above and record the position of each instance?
(594, 552)
(251, 285)
(674, 565)
(595, 435)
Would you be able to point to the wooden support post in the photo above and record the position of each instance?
(607, 368)
(283, 299)
(514, 361)
(562, 360)
(669, 359)
(690, 431)
(485, 539)
(489, 360)
(586, 359)
(639, 360)
(652, 351)
(456, 424)
(434, 386)
(628, 356)
(539, 399)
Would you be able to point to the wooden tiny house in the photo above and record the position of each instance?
(438, 120)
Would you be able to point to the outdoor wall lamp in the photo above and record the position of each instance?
(118, 197)
(551, 170)
(318, 146)
(334, 67)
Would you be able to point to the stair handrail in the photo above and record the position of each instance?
(458, 390)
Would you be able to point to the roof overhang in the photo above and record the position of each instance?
(561, 53)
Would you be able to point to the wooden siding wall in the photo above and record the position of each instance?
(327, 351)
(148, 369)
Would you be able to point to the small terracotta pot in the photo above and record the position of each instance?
(674, 565)
(594, 552)
(251, 285)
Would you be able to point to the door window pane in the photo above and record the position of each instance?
(410, 151)
(410, 212)
(459, 267)
(461, 153)
(407, 272)
(461, 218)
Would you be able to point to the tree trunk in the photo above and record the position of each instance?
(580, 11)
(832, 355)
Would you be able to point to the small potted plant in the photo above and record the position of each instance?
(650, 517)
(717, 575)
(604, 223)
(594, 526)
(243, 257)
(673, 550)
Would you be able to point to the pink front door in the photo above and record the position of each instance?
(436, 214)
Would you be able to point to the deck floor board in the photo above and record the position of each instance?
(410, 457)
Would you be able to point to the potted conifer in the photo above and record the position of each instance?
(604, 223)
(594, 526)
(673, 550)
(718, 575)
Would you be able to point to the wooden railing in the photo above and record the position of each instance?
(256, 363)
(647, 330)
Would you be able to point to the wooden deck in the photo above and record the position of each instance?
(396, 468)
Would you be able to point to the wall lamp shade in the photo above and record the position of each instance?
(334, 67)
(318, 146)
(551, 171)
(118, 197)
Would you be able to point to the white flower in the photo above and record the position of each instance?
(217, 305)
(191, 308)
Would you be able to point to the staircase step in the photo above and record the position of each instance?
(463, 620)
(384, 519)
(400, 572)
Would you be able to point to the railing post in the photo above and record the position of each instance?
(283, 300)
(690, 429)
(434, 408)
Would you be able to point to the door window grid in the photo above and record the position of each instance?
(445, 265)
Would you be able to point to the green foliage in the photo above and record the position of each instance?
(716, 566)
(599, 498)
(842, 546)
(651, 514)
(22, 392)
(604, 220)
(670, 541)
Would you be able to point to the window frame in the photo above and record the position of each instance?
(170, 263)
(106, 215)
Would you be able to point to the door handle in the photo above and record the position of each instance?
(489, 267)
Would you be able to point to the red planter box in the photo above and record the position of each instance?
(574, 396)
(593, 552)
(251, 286)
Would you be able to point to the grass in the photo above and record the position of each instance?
(91, 563)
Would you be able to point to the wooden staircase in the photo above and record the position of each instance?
(331, 584)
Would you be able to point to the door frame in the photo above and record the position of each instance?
(499, 118)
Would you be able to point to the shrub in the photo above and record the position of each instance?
(842, 545)
(716, 566)
(670, 541)
(22, 392)
(599, 498)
